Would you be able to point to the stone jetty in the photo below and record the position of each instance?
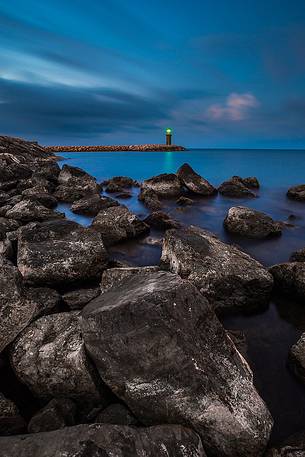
(130, 147)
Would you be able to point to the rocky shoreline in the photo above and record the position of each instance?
(129, 147)
(118, 360)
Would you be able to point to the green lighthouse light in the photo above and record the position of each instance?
(168, 131)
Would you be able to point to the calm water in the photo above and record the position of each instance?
(271, 333)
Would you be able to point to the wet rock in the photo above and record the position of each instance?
(298, 256)
(92, 204)
(11, 422)
(294, 446)
(235, 188)
(32, 211)
(116, 414)
(182, 201)
(164, 185)
(123, 182)
(78, 298)
(239, 339)
(251, 223)
(49, 171)
(112, 276)
(176, 378)
(7, 225)
(40, 195)
(60, 252)
(289, 278)
(45, 300)
(251, 182)
(161, 220)
(57, 414)
(297, 192)
(100, 440)
(49, 357)
(124, 195)
(6, 249)
(117, 224)
(74, 184)
(194, 182)
(150, 199)
(229, 278)
(297, 358)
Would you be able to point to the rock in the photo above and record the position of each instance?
(251, 223)
(112, 276)
(6, 249)
(112, 188)
(175, 377)
(289, 279)
(297, 358)
(164, 185)
(116, 414)
(57, 414)
(40, 195)
(32, 211)
(124, 195)
(184, 201)
(161, 220)
(60, 252)
(298, 256)
(77, 299)
(100, 440)
(92, 204)
(50, 358)
(150, 199)
(24, 151)
(228, 277)
(121, 181)
(4, 210)
(117, 224)
(194, 182)
(239, 339)
(45, 300)
(294, 446)
(49, 171)
(251, 182)
(235, 188)
(297, 192)
(11, 422)
(74, 184)
(7, 225)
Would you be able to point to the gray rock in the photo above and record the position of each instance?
(194, 182)
(298, 256)
(251, 223)
(57, 414)
(229, 278)
(121, 181)
(32, 211)
(40, 195)
(7, 225)
(6, 249)
(92, 204)
(112, 276)
(50, 358)
(60, 252)
(182, 201)
(289, 278)
(250, 182)
(161, 220)
(297, 358)
(116, 414)
(164, 185)
(78, 298)
(117, 224)
(297, 192)
(235, 188)
(150, 199)
(45, 300)
(294, 446)
(74, 184)
(11, 422)
(159, 346)
(100, 440)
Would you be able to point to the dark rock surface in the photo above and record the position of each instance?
(251, 181)
(117, 224)
(141, 338)
(40, 195)
(32, 211)
(164, 185)
(116, 414)
(294, 446)
(150, 199)
(297, 358)
(251, 223)
(45, 300)
(78, 298)
(57, 414)
(123, 182)
(112, 276)
(289, 278)
(100, 440)
(50, 358)
(235, 188)
(7, 225)
(161, 220)
(60, 252)
(74, 184)
(298, 256)
(92, 204)
(228, 277)
(184, 201)
(297, 192)
(11, 422)
(194, 182)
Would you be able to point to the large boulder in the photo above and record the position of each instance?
(58, 413)
(161, 221)
(32, 211)
(78, 298)
(74, 184)
(112, 276)
(251, 223)
(297, 358)
(298, 256)
(116, 414)
(11, 422)
(297, 193)
(229, 278)
(289, 278)
(164, 185)
(194, 182)
(159, 346)
(150, 199)
(7, 225)
(294, 446)
(100, 440)
(251, 181)
(122, 182)
(49, 357)
(41, 195)
(235, 188)
(60, 252)
(92, 204)
(117, 224)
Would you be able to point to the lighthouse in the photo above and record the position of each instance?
(168, 132)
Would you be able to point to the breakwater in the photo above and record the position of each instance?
(131, 147)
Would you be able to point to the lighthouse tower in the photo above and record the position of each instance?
(168, 132)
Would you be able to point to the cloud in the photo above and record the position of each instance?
(235, 108)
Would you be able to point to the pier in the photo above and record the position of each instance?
(131, 147)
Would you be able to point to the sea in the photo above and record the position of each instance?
(271, 332)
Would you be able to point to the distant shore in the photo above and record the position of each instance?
(131, 147)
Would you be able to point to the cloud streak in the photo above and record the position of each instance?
(236, 108)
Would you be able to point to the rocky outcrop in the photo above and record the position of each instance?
(99, 440)
(117, 224)
(112, 276)
(228, 277)
(289, 278)
(183, 201)
(11, 422)
(251, 223)
(41, 195)
(235, 188)
(60, 252)
(297, 358)
(119, 183)
(297, 193)
(161, 221)
(194, 182)
(92, 204)
(298, 256)
(251, 181)
(57, 414)
(294, 446)
(49, 357)
(44, 300)
(165, 185)
(150, 199)
(74, 184)
(32, 211)
(7, 225)
(201, 382)
(78, 298)
(116, 414)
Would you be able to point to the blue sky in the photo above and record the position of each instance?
(221, 73)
